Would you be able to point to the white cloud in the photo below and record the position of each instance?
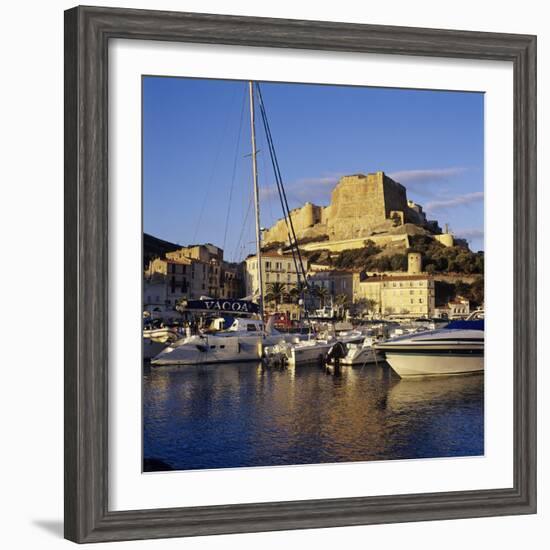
(320, 181)
(459, 200)
(472, 233)
(426, 176)
(268, 192)
(314, 189)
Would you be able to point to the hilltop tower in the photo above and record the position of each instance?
(414, 263)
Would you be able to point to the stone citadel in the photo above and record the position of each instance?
(371, 206)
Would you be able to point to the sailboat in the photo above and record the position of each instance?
(245, 338)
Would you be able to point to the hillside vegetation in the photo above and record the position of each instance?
(436, 258)
(154, 247)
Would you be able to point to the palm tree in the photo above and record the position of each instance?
(275, 292)
(294, 294)
(370, 304)
(341, 301)
(322, 293)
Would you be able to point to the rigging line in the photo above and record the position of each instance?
(282, 206)
(235, 253)
(282, 195)
(277, 179)
(276, 167)
(216, 158)
(269, 198)
(294, 259)
(234, 168)
(278, 170)
(280, 187)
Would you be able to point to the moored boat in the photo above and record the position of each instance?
(243, 341)
(361, 352)
(456, 349)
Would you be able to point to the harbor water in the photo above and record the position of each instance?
(245, 415)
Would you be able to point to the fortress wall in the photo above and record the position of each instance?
(349, 244)
(360, 205)
(395, 196)
(325, 214)
(445, 239)
(357, 205)
(303, 219)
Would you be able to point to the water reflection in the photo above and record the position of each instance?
(220, 416)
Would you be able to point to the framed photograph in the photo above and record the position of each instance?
(300, 273)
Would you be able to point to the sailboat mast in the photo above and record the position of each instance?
(256, 199)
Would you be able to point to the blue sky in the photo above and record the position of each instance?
(197, 169)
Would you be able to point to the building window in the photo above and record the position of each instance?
(268, 265)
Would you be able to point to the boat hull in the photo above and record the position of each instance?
(418, 363)
(151, 348)
(362, 357)
(224, 351)
(308, 354)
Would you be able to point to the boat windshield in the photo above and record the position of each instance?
(246, 325)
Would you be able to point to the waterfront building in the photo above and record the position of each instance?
(206, 262)
(336, 281)
(194, 271)
(404, 295)
(459, 308)
(231, 281)
(154, 296)
(276, 268)
(411, 294)
(333, 284)
(183, 278)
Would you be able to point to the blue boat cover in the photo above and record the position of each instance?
(467, 325)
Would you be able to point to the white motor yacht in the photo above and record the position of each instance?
(361, 352)
(456, 349)
(297, 352)
(244, 340)
(314, 350)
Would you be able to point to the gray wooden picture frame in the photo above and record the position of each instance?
(87, 34)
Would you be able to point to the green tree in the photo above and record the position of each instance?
(462, 288)
(370, 305)
(322, 293)
(477, 292)
(399, 262)
(341, 302)
(275, 293)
